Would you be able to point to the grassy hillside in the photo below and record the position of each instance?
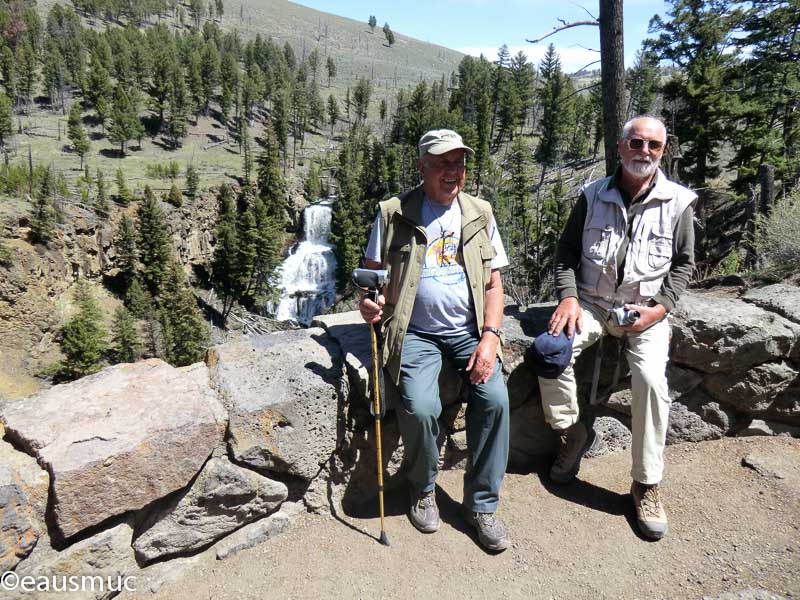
(357, 51)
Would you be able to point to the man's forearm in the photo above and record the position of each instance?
(493, 302)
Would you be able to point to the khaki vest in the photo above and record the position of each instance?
(649, 254)
(403, 255)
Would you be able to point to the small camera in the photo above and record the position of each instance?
(622, 316)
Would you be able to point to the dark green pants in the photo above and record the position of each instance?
(487, 417)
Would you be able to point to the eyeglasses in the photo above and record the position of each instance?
(444, 165)
(639, 143)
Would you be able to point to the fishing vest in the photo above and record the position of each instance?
(403, 254)
(649, 254)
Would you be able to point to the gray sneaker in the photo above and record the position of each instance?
(423, 513)
(492, 533)
(575, 441)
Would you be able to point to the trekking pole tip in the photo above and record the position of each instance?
(383, 539)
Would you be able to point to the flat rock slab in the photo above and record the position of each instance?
(284, 391)
(767, 465)
(252, 535)
(23, 500)
(714, 333)
(780, 298)
(353, 336)
(120, 439)
(223, 498)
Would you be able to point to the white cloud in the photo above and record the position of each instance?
(572, 59)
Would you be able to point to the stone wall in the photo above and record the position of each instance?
(132, 470)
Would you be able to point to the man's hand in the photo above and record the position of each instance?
(370, 311)
(481, 363)
(568, 313)
(648, 316)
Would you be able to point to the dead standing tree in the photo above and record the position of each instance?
(612, 72)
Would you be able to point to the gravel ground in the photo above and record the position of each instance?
(734, 533)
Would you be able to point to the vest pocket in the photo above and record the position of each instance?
(487, 254)
(398, 264)
(597, 244)
(659, 248)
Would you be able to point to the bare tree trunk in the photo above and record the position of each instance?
(766, 175)
(612, 73)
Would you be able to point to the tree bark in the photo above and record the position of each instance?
(612, 73)
(766, 175)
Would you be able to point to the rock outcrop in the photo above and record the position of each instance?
(146, 462)
(106, 456)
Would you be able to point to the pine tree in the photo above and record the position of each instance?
(313, 186)
(225, 270)
(555, 115)
(192, 181)
(185, 333)
(348, 225)
(270, 181)
(175, 197)
(98, 90)
(373, 22)
(153, 242)
(361, 97)
(6, 121)
(124, 195)
(43, 218)
(126, 344)
(643, 81)
(209, 69)
(125, 246)
(697, 104)
(76, 133)
(101, 202)
(333, 112)
(83, 337)
(387, 31)
(125, 125)
(136, 299)
(330, 67)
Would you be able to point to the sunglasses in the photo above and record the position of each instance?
(639, 143)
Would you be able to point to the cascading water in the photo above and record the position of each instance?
(307, 274)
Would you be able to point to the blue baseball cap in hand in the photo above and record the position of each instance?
(550, 354)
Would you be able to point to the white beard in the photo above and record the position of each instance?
(640, 169)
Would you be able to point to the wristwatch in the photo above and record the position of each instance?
(493, 330)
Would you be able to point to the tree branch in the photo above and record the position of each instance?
(562, 28)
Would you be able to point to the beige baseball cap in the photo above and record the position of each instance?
(439, 141)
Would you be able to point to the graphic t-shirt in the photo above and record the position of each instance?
(443, 303)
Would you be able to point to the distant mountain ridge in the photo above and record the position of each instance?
(357, 50)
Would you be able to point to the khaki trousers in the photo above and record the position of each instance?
(647, 353)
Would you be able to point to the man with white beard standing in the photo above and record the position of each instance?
(628, 243)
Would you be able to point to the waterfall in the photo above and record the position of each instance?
(307, 274)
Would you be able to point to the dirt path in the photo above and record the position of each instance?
(731, 529)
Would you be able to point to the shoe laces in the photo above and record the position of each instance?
(651, 502)
(487, 521)
(426, 500)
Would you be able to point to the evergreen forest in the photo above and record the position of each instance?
(121, 77)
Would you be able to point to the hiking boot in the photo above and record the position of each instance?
(491, 533)
(576, 441)
(423, 514)
(650, 515)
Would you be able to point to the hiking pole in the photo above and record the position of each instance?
(372, 281)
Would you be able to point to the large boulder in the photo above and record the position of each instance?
(118, 440)
(713, 333)
(284, 392)
(222, 498)
(96, 568)
(23, 500)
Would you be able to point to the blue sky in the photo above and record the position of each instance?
(475, 26)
